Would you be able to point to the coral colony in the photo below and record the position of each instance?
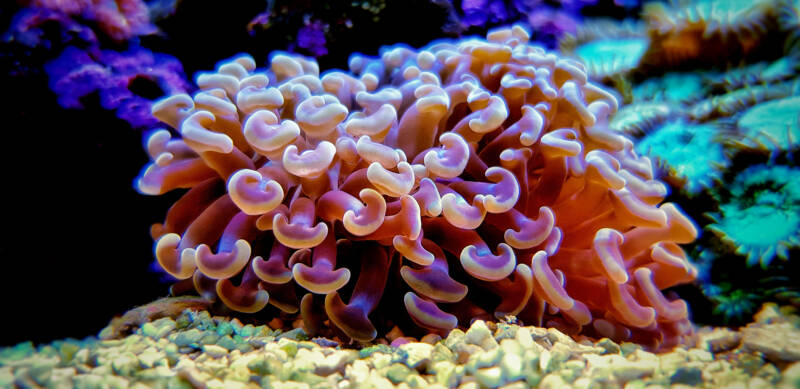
(454, 180)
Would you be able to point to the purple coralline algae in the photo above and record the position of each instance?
(28, 27)
(125, 81)
(320, 28)
(549, 20)
(118, 19)
(311, 37)
(550, 24)
(483, 12)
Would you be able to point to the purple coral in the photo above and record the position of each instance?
(311, 37)
(482, 12)
(73, 75)
(125, 81)
(119, 19)
(548, 22)
(28, 28)
(551, 24)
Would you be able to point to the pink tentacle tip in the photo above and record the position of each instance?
(390, 183)
(451, 159)
(483, 265)
(426, 314)
(367, 219)
(606, 247)
(530, 233)
(178, 263)
(196, 132)
(266, 134)
(430, 202)
(504, 193)
(223, 264)
(248, 297)
(460, 213)
(254, 194)
(320, 278)
(299, 232)
(413, 250)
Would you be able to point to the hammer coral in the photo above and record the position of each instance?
(476, 177)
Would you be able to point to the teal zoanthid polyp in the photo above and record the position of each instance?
(757, 227)
(609, 56)
(735, 305)
(690, 151)
(762, 218)
(775, 124)
(672, 87)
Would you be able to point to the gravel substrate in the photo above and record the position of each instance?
(195, 349)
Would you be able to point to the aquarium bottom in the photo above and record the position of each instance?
(188, 347)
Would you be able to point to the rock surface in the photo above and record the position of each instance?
(197, 350)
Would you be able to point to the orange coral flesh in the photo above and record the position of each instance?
(474, 176)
